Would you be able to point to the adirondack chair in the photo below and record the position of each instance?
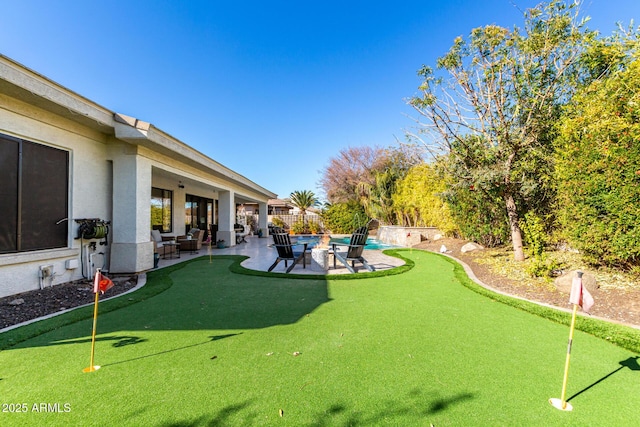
(354, 251)
(286, 252)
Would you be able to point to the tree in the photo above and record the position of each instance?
(303, 200)
(494, 113)
(344, 173)
(367, 175)
(598, 169)
(376, 197)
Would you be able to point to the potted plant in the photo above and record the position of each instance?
(260, 232)
(220, 244)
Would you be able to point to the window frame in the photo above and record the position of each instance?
(165, 215)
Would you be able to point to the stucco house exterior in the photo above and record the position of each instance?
(83, 186)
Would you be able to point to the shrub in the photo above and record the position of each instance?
(478, 217)
(344, 217)
(418, 200)
(598, 170)
(534, 234)
(299, 227)
(313, 227)
(535, 237)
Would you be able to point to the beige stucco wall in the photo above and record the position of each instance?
(90, 190)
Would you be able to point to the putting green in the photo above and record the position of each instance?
(220, 348)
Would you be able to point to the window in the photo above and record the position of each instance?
(161, 204)
(34, 196)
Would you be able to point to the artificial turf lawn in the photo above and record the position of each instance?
(216, 348)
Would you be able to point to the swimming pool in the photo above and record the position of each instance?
(312, 241)
(371, 243)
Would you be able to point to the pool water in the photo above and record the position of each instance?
(371, 243)
(312, 241)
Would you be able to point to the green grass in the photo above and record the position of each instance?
(202, 345)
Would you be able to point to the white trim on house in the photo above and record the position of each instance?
(114, 160)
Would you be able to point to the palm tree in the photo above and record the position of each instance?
(303, 200)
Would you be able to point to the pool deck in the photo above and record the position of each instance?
(261, 255)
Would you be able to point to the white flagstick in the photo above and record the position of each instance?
(561, 403)
(92, 367)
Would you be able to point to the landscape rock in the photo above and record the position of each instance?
(437, 237)
(470, 247)
(41, 302)
(563, 283)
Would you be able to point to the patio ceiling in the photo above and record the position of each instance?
(197, 187)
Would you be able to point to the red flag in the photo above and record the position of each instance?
(580, 295)
(101, 283)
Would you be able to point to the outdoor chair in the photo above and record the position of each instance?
(240, 235)
(192, 244)
(286, 252)
(161, 244)
(354, 251)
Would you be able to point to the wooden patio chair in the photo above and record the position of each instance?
(286, 252)
(354, 251)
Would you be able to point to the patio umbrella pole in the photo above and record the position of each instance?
(92, 367)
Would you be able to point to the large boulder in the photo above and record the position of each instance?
(469, 247)
(563, 283)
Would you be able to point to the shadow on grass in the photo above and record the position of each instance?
(440, 405)
(194, 295)
(221, 418)
(631, 363)
(267, 299)
(416, 405)
(120, 340)
(159, 353)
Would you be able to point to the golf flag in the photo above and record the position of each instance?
(580, 295)
(101, 283)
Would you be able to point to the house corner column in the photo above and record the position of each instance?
(263, 218)
(131, 248)
(226, 217)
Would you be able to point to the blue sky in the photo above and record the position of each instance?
(270, 89)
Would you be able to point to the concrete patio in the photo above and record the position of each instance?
(261, 255)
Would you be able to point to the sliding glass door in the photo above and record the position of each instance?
(199, 213)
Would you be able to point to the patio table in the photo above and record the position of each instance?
(171, 245)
